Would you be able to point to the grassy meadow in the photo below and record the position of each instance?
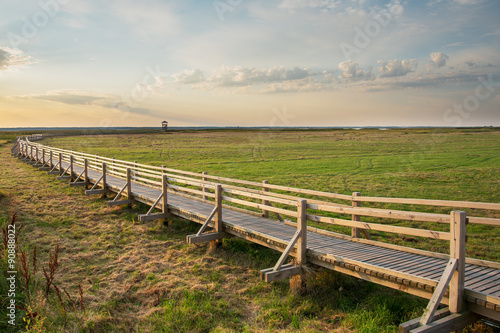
(449, 164)
(114, 274)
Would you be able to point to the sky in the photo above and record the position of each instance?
(68, 63)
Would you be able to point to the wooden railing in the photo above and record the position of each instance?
(262, 198)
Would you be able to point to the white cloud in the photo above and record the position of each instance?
(351, 71)
(492, 33)
(12, 58)
(241, 76)
(468, 2)
(324, 4)
(189, 76)
(439, 59)
(397, 67)
(77, 97)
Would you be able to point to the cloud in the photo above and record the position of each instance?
(242, 76)
(245, 80)
(397, 67)
(75, 97)
(455, 44)
(351, 71)
(426, 81)
(438, 59)
(492, 33)
(189, 76)
(468, 2)
(470, 63)
(12, 58)
(323, 4)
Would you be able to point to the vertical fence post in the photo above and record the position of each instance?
(218, 204)
(71, 165)
(104, 186)
(217, 218)
(265, 213)
(51, 160)
(203, 188)
(164, 185)
(302, 225)
(129, 184)
(31, 153)
(43, 156)
(458, 220)
(60, 163)
(86, 171)
(355, 231)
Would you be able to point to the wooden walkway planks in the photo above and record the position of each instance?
(479, 280)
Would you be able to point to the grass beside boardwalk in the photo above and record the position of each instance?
(452, 164)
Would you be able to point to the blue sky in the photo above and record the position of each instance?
(250, 63)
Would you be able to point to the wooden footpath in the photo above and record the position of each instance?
(469, 287)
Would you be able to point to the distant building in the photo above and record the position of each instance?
(164, 125)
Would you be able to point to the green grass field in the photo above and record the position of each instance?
(142, 277)
(413, 163)
(424, 163)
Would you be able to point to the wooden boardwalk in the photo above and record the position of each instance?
(411, 271)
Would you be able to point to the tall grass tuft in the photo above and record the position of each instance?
(53, 265)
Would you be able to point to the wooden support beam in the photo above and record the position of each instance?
(164, 205)
(90, 192)
(152, 217)
(77, 184)
(288, 249)
(286, 271)
(119, 202)
(196, 239)
(453, 322)
(439, 292)
(414, 323)
(209, 218)
(458, 221)
(104, 189)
